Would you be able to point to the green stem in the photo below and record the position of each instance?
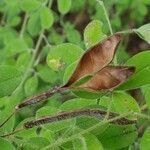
(106, 15)
(142, 115)
(109, 24)
(23, 25)
(28, 70)
(130, 31)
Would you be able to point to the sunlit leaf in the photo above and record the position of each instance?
(144, 32)
(46, 17)
(64, 6)
(93, 33)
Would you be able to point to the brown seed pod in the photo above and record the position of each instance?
(108, 78)
(95, 58)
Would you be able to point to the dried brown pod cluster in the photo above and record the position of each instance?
(94, 64)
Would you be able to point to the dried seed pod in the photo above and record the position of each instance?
(108, 78)
(100, 114)
(95, 58)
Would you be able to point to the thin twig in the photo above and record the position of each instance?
(23, 25)
(28, 70)
(106, 15)
(8, 117)
(12, 133)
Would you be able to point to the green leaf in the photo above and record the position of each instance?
(140, 60)
(145, 140)
(55, 38)
(64, 6)
(6, 145)
(10, 78)
(29, 6)
(33, 26)
(62, 55)
(47, 74)
(46, 18)
(77, 103)
(117, 137)
(69, 71)
(146, 93)
(82, 93)
(72, 35)
(14, 21)
(23, 61)
(144, 32)
(123, 103)
(35, 143)
(141, 77)
(45, 111)
(83, 80)
(87, 142)
(7, 105)
(31, 86)
(16, 46)
(26, 134)
(93, 33)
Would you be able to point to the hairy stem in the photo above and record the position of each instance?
(23, 25)
(101, 3)
(28, 70)
(106, 15)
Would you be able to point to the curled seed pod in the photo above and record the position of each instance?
(95, 58)
(108, 78)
